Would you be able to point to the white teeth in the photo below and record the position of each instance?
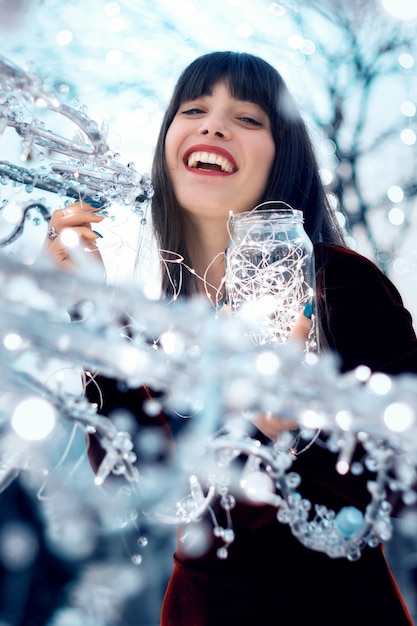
(212, 159)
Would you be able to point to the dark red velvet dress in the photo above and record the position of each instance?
(269, 578)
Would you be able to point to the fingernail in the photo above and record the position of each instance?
(95, 204)
(308, 310)
(98, 234)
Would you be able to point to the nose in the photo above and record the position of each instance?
(215, 127)
(217, 133)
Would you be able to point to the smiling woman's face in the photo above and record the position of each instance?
(219, 152)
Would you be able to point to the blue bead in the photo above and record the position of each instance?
(349, 520)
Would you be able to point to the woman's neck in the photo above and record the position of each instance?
(206, 243)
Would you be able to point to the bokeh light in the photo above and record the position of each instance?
(33, 419)
(401, 9)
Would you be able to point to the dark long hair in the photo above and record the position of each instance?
(294, 176)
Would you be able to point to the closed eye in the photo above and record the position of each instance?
(250, 121)
(192, 111)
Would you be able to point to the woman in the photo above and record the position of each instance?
(231, 139)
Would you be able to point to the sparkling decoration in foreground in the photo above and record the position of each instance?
(352, 408)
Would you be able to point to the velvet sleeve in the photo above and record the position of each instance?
(362, 313)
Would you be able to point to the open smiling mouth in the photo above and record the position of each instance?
(210, 161)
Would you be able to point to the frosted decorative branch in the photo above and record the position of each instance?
(351, 409)
(90, 171)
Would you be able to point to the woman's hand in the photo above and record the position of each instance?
(271, 425)
(79, 217)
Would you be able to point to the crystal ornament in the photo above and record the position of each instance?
(87, 169)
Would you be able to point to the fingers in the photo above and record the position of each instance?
(75, 215)
(70, 226)
(273, 426)
(303, 325)
(225, 309)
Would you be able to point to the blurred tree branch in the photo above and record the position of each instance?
(356, 67)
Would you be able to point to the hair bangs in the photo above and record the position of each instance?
(249, 79)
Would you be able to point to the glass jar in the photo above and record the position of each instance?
(270, 272)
